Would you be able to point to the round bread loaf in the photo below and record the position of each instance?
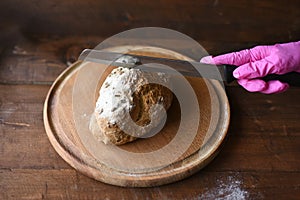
(130, 93)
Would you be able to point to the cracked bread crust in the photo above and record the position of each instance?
(137, 96)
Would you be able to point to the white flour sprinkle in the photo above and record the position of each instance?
(230, 189)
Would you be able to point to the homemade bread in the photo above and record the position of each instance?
(131, 93)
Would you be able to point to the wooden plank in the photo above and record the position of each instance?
(245, 21)
(264, 115)
(258, 154)
(33, 150)
(67, 184)
(40, 62)
(27, 62)
(24, 143)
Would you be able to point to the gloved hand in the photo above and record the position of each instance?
(259, 62)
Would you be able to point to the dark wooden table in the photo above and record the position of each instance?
(260, 158)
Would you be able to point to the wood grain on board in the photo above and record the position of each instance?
(67, 114)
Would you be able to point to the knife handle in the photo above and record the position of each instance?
(292, 78)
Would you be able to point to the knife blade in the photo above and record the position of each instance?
(186, 68)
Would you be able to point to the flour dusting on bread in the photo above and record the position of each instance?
(129, 91)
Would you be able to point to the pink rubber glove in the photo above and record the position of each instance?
(259, 62)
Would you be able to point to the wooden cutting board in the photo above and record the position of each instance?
(69, 108)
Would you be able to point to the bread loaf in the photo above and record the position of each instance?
(130, 91)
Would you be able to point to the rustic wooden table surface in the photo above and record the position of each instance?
(260, 158)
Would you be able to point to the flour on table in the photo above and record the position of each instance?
(230, 189)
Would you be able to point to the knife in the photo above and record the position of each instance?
(186, 68)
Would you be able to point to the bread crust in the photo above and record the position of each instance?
(141, 98)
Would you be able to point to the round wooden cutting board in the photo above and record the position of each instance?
(69, 108)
